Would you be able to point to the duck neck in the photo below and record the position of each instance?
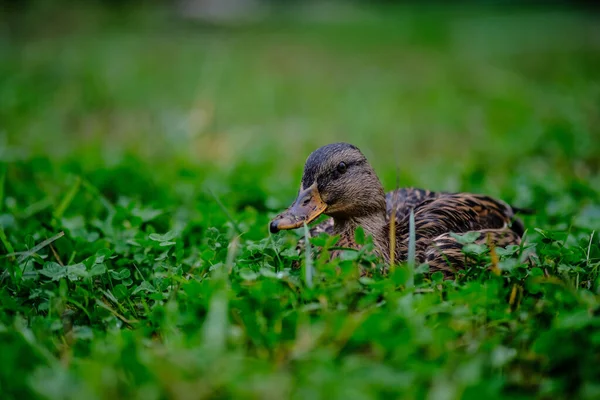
(373, 225)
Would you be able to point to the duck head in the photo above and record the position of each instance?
(337, 181)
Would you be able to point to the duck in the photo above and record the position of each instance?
(339, 182)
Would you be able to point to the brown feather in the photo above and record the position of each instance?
(436, 214)
(354, 197)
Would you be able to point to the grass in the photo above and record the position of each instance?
(142, 158)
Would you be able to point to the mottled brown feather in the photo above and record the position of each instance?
(452, 212)
(437, 214)
(354, 197)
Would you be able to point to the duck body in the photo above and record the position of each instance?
(339, 182)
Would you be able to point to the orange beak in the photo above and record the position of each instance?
(305, 209)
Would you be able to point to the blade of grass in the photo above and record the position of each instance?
(494, 256)
(226, 212)
(214, 329)
(411, 250)
(104, 304)
(231, 252)
(393, 222)
(9, 249)
(2, 181)
(68, 199)
(587, 258)
(11, 256)
(40, 246)
(94, 191)
(392, 239)
(36, 208)
(308, 265)
(56, 256)
(280, 264)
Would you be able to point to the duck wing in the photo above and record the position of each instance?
(436, 215)
(458, 213)
(406, 199)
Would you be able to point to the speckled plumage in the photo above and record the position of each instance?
(356, 198)
(437, 214)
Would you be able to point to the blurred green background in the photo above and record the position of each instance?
(454, 95)
(153, 133)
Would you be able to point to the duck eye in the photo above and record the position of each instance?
(342, 167)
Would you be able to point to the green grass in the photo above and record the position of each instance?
(162, 148)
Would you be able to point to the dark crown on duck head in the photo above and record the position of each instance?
(327, 158)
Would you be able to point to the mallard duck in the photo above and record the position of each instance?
(339, 182)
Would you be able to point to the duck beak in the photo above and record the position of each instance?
(305, 209)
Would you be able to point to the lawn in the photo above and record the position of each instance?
(142, 157)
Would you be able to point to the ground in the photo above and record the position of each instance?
(143, 156)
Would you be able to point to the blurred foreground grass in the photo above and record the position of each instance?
(133, 132)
